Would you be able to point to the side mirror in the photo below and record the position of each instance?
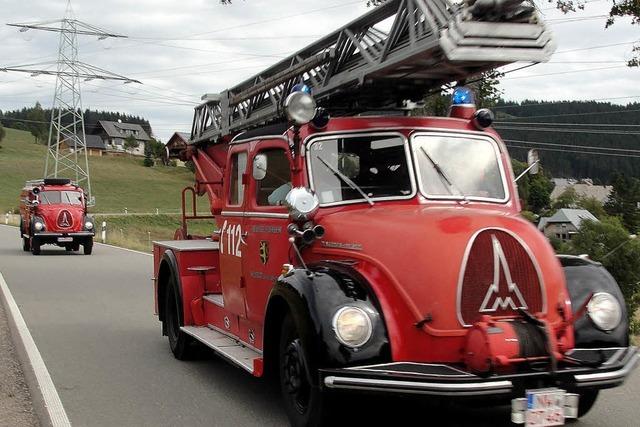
(259, 167)
(533, 160)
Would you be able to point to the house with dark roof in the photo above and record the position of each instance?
(564, 223)
(114, 134)
(176, 144)
(95, 145)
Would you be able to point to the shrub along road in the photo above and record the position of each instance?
(92, 320)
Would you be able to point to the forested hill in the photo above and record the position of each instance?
(36, 119)
(574, 139)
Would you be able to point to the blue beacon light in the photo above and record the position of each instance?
(462, 95)
(301, 87)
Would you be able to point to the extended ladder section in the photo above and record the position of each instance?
(398, 51)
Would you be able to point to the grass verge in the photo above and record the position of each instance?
(138, 232)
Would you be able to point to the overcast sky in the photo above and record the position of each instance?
(182, 49)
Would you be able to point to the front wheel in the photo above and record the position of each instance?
(88, 247)
(35, 246)
(305, 404)
(587, 401)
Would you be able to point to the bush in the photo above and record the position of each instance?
(147, 162)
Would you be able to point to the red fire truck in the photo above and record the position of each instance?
(54, 211)
(357, 250)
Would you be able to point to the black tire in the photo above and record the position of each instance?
(35, 246)
(88, 247)
(180, 343)
(68, 248)
(26, 244)
(587, 401)
(305, 404)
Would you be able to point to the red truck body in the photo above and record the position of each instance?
(448, 280)
(54, 211)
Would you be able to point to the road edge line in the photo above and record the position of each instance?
(124, 249)
(43, 392)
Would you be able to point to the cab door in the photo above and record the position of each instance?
(232, 232)
(266, 220)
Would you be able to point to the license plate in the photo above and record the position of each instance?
(65, 239)
(545, 408)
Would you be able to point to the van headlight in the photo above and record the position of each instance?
(352, 326)
(88, 225)
(604, 310)
(38, 225)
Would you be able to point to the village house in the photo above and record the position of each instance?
(583, 188)
(564, 223)
(114, 134)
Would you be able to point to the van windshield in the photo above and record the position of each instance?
(360, 168)
(61, 197)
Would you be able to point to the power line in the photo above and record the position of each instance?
(568, 124)
(588, 147)
(577, 114)
(575, 151)
(592, 131)
(565, 72)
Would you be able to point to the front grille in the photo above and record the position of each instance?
(499, 278)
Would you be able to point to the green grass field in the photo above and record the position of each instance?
(117, 182)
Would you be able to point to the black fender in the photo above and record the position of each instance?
(169, 269)
(584, 277)
(313, 299)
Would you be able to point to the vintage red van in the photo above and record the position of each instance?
(54, 211)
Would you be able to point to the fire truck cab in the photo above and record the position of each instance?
(54, 211)
(382, 253)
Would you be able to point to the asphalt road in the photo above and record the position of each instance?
(92, 320)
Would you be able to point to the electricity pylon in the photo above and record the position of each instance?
(67, 148)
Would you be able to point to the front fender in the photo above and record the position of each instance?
(314, 299)
(584, 277)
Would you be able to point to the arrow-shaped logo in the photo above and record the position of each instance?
(494, 292)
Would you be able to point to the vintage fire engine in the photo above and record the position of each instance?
(54, 211)
(360, 251)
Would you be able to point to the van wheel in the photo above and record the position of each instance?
(35, 246)
(88, 247)
(26, 244)
(180, 343)
(305, 404)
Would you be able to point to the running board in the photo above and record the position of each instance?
(227, 347)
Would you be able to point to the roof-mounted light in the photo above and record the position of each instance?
(463, 95)
(300, 106)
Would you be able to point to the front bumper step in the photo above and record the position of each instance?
(446, 380)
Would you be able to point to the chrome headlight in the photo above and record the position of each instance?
(300, 107)
(604, 310)
(88, 225)
(352, 326)
(302, 203)
(38, 225)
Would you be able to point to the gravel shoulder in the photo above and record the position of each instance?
(16, 408)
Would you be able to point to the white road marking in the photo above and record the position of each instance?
(53, 404)
(98, 243)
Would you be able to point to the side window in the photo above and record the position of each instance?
(272, 190)
(236, 187)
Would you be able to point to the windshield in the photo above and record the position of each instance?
(459, 167)
(60, 197)
(360, 168)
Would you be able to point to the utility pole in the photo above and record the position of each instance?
(67, 154)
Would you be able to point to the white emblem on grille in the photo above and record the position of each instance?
(500, 261)
(64, 220)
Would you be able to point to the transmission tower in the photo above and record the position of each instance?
(67, 154)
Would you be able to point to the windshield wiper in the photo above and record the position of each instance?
(443, 175)
(346, 180)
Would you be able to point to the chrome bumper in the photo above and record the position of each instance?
(72, 234)
(446, 380)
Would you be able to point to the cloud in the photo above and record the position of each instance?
(180, 50)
